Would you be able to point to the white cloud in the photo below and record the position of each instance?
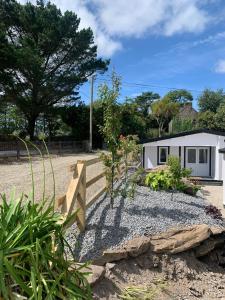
(136, 17)
(220, 66)
(113, 20)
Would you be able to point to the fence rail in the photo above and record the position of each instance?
(75, 198)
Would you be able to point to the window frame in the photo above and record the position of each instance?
(196, 155)
(158, 154)
(207, 155)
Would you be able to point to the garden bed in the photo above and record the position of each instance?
(148, 213)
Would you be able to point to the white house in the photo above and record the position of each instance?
(201, 150)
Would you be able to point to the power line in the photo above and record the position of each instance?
(134, 84)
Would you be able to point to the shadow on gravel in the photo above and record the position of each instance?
(191, 203)
(155, 212)
(102, 231)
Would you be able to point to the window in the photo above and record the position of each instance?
(163, 154)
(191, 156)
(203, 156)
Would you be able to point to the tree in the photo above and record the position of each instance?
(180, 96)
(11, 119)
(163, 111)
(144, 101)
(51, 57)
(220, 117)
(111, 130)
(133, 121)
(210, 100)
(206, 119)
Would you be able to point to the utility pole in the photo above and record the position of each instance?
(91, 111)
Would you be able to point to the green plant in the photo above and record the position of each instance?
(130, 153)
(177, 171)
(110, 131)
(159, 180)
(34, 264)
(170, 178)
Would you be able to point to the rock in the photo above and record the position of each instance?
(208, 245)
(180, 240)
(97, 273)
(197, 291)
(217, 230)
(112, 255)
(137, 246)
(110, 266)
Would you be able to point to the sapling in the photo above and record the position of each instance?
(111, 130)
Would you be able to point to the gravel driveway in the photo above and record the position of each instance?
(150, 212)
(16, 175)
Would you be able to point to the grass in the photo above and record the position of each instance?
(143, 292)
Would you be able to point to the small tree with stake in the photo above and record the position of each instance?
(110, 131)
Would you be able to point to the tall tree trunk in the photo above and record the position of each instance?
(31, 126)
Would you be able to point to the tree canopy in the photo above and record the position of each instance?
(144, 101)
(163, 111)
(211, 100)
(44, 57)
(180, 96)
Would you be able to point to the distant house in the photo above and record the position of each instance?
(200, 150)
(186, 112)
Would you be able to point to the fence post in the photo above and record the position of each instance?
(76, 195)
(81, 201)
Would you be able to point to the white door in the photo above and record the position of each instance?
(197, 159)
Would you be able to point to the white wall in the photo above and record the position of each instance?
(150, 157)
(198, 139)
(174, 151)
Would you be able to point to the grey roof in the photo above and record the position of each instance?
(203, 130)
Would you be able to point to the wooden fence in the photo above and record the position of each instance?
(75, 198)
(17, 148)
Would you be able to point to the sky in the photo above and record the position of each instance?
(156, 45)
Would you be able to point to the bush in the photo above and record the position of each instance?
(171, 178)
(159, 180)
(214, 212)
(175, 168)
(32, 266)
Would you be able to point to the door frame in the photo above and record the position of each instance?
(210, 158)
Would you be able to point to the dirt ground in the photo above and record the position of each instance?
(162, 277)
(15, 175)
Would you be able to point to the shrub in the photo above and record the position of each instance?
(171, 178)
(176, 170)
(214, 212)
(159, 180)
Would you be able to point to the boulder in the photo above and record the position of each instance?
(97, 273)
(137, 246)
(180, 240)
(216, 230)
(112, 255)
(201, 237)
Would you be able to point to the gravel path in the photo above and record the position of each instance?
(16, 175)
(150, 212)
